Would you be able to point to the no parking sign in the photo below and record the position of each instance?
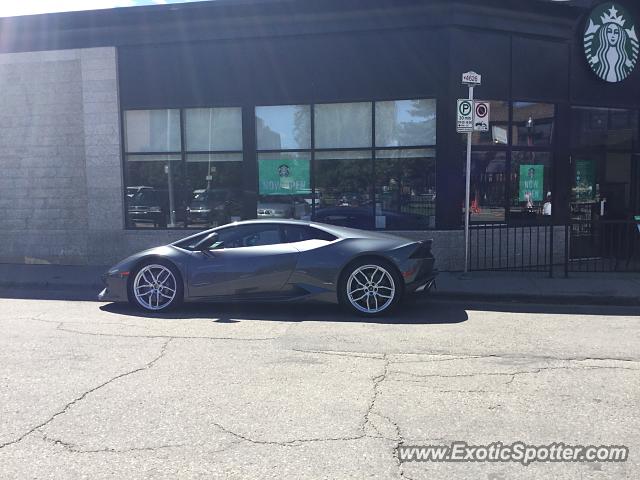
(481, 116)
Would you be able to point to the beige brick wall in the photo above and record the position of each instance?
(60, 173)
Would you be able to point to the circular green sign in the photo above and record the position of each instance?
(465, 108)
(610, 42)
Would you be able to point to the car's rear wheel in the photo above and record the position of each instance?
(156, 286)
(370, 287)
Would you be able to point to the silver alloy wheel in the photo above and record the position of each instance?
(154, 287)
(371, 289)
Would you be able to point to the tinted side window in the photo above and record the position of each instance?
(299, 233)
(249, 236)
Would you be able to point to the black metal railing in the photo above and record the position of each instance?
(601, 245)
(526, 247)
(597, 245)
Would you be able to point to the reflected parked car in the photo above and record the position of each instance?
(278, 209)
(213, 207)
(148, 206)
(363, 217)
(131, 191)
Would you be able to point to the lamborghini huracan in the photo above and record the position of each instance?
(367, 272)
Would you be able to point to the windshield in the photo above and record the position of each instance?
(147, 198)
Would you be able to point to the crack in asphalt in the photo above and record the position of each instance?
(69, 405)
(459, 356)
(261, 339)
(75, 448)
(59, 327)
(71, 447)
(338, 353)
(507, 374)
(288, 443)
(377, 380)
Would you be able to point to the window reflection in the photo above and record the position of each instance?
(185, 188)
(344, 188)
(604, 127)
(533, 123)
(148, 131)
(343, 125)
(214, 185)
(213, 129)
(340, 162)
(488, 180)
(405, 189)
(286, 127)
(405, 123)
(498, 126)
(531, 195)
(284, 183)
(154, 194)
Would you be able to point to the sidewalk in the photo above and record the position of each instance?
(579, 288)
(57, 277)
(530, 287)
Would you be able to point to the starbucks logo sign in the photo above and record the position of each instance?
(611, 43)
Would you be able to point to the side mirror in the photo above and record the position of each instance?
(206, 242)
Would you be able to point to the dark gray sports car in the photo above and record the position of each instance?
(367, 272)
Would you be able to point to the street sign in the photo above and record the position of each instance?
(464, 120)
(471, 78)
(481, 116)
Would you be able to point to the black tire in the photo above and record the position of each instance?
(393, 279)
(178, 297)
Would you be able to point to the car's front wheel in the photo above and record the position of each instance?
(370, 287)
(156, 286)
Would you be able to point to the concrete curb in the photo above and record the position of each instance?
(51, 286)
(539, 298)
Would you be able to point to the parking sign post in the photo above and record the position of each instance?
(471, 79)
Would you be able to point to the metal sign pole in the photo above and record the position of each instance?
(467, 195)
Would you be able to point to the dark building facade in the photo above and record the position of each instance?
(345, 112)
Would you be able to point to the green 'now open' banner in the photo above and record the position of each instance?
(284, 177)
(531, 182)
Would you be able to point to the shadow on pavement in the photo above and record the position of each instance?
(413, 313)
(544, 308)
(50, 293)
(429, 310)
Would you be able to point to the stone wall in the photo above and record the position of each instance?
(60, 174)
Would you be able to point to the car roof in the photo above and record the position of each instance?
(342, 232)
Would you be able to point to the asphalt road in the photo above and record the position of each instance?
(96, 391)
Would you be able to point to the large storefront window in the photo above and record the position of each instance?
(177, 183)
(511, 164)
(363, 164)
